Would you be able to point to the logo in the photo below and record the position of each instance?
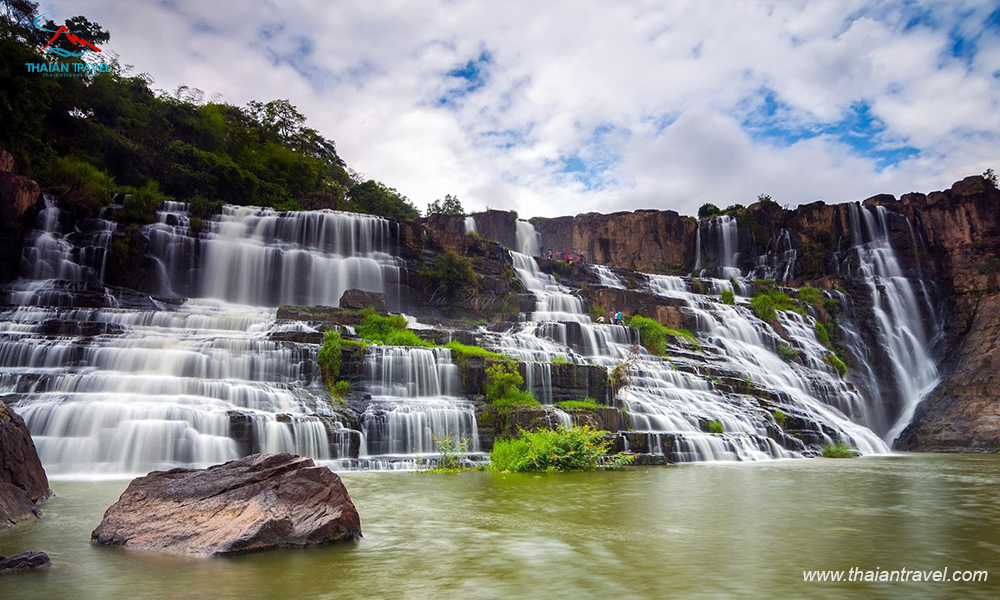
(71, 36)
(66, 43)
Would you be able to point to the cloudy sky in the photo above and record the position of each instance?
(554, 107)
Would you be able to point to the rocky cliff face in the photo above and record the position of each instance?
(962, 226)
(645, 240)
(23, 483)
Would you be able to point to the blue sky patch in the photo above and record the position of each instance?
(858, 129)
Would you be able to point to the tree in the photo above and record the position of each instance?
(765, 202)
(452, 274)
(990, 177)
(707, 210)
(376, 198)
(449, 206)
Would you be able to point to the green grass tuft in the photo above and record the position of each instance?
(554, 450)
(588, 403)
(839, 450)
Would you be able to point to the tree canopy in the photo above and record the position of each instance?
(449, 206)
(210, 153)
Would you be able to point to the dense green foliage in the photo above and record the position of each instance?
(716, 427)
(834, 361)
(839, 450)
(728, 297)
(787, 353)
(133, 136)
(389, 330)
(451, 275)
(449, 206)
(708, 210)
(822, 334)
(763, 307)
(779, 417)
(588, 403)
(766, 303)
(765, 202)
(329, 358)
(341, 389)
(652, 334)
(561, 449)
(810, 295)
(465, 349)
(503, 386)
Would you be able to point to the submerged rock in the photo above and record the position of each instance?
(259, 502)
(24, 561)
(22, 479)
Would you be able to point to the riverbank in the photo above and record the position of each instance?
(715, 530)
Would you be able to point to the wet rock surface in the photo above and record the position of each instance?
(260, 502)
(24, 561)
(23, 483)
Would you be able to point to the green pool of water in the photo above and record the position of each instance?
(698, 531)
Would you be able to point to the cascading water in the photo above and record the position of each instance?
(56, 266)
(900, 304)
(718, 240)
(608, 277)
(470, 225)
(261, 257)
(118, 391)
(158, 389)
(778, 260)
(414, 403)
(554, 302)
(527, 239)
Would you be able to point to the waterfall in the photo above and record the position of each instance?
(262, 257)
(414, 400)
(900, 304)
(160, 389)
(55, 265)
(528, 241)
(553, 302)
(777, 263)
(608, 277)
(720, 245)
(117, 387)
(470, 225)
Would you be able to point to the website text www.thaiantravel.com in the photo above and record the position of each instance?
(856, 574)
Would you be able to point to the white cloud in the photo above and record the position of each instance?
(559, 70)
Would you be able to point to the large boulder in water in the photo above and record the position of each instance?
(22, 479)
(259, 502)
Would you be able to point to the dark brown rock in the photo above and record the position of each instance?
(22, 479)
(24, 561)
(6, 162)
(358, 299)
(963, 413)
(259, 502)
(17, 195)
